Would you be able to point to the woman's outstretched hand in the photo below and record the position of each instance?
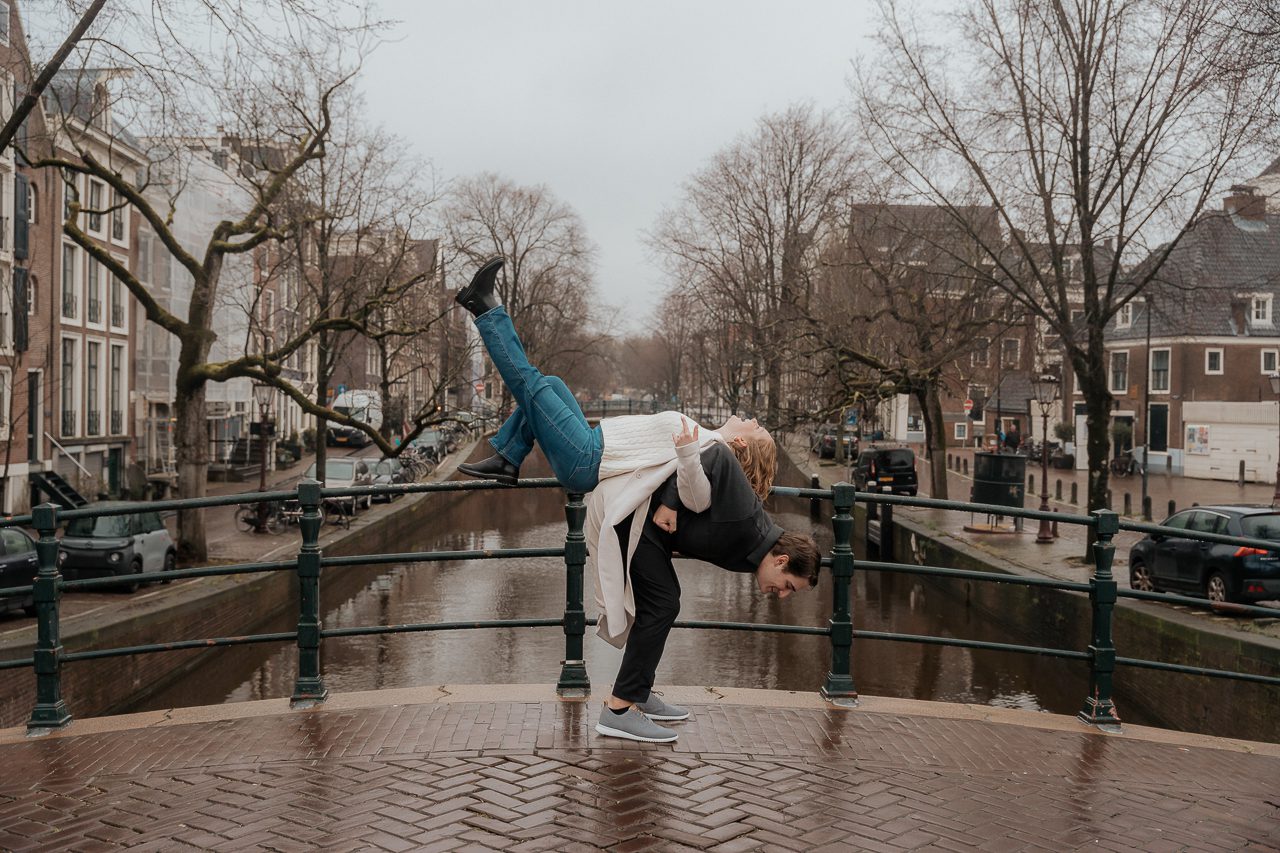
(685, 436)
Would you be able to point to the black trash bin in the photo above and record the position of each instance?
(999, 479)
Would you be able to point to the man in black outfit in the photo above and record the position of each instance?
(734, 533)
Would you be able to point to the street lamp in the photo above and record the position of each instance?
(262, 394)
(1045, 389)
(1275, 389)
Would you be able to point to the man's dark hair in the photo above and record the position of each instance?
(804, 558)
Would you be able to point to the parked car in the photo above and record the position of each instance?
(343, 473)
(388, 472)
(885, 469)
(1219, 572)
(824, 442)
(433, 443)
(116, 545)
(18, 567)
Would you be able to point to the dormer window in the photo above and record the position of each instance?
(1260, 310)
(1124, 317)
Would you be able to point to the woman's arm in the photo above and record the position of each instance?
(692, 484)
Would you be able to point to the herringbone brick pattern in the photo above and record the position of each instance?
(531, 777)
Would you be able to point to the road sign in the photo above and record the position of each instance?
(968, 406)
(480, 386)
(342, 389)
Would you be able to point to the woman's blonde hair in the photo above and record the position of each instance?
(759, 460)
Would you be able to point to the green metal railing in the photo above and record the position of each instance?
(1100, 656)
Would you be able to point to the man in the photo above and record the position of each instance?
(639, 593)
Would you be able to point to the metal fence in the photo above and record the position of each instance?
(51, 711)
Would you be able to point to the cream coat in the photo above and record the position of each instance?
(610, 504)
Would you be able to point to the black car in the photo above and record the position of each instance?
(1220, 572)
(825, 439)
(885, 469)
(388, 472)
(18, 567)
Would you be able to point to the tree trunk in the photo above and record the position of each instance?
(935, 438)
(1092, 375)
(192, 440)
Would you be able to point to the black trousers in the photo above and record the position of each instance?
(657, 594)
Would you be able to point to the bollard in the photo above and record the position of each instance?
(1110, 505)
(1031, 484)
(1128, 504)
(1146, 507)
(815, 504)
(1053, 528)
(838, 687)
(964, 464)
(1075, 494)
(573, 669)
(309, 687)
(1240, 476)
(1173, 507)
(50, 712)
(1098, 709)
(1057, 489)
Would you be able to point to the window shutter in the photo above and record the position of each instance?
(20, 308)
(20, 217)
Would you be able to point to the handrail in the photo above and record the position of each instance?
(50, 710)
(67, 454)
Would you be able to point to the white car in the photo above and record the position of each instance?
(342, 473)
(116, 545)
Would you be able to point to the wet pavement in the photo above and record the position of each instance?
(509, 767)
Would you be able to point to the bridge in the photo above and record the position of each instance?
(520, 767)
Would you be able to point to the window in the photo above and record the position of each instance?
(31, 203)
(4, 23)
(1010, 348)
(69, 386)
(1120, 372)
(5, 385)
(115, 390)
(118, 292)
(979, 357)
(95, 205)
(1124, 317)
(94, 407)
(268, 310)
(93, 304)
(33, 294)
(962, 431)
(70, 284)
(1213, 362)
(1260, 313)
(70, 192)
(1269, 361)
(1159, 371)
(117, 217)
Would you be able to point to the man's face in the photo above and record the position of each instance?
(773, 579)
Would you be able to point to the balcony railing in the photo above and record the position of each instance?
(117, 423)
(1100, 657)
(95, 310)
(69, 305)
(117, 316)
(94, 423)
(68, 424)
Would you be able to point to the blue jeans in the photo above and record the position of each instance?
(545, 411)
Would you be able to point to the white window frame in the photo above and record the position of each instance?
(1017, 353)
(112, 346)
(1260, 309)
(1128, 364)
(7, 321)
(1208, 370)
(32, 201)
(94, 288)
(1124, 316)
(6, 388)
(98, 204)
(8, 23)
(125, 294)
(77, 384)
(33, 282)
(1275, 361)
(77, 283)
(1151, 370)
(961, 431)
(101, 391)
(983, 351)
(123, 213)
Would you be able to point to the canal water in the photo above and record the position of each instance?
(534, 588)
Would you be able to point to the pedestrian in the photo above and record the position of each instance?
(581, 455)
(633, 526)
(1012, 439)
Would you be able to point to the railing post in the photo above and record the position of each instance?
(50, 712)
(309, 689)
(1099, 710)
(573, 669)
(887, 534)
(839, 688)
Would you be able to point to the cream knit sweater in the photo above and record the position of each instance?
(632, 442)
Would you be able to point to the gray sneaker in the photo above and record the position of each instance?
(632, 725)
(656, 709)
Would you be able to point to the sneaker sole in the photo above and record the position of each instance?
(666, 718)
(608, 732)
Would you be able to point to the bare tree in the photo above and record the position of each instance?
(1093, 127)
(747, 236)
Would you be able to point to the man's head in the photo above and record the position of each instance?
(791, 564)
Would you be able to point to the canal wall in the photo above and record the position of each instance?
(206, 607)
(1141, 630)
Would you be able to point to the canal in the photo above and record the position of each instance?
(534, 588)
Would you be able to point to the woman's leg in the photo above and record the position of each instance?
(550, 410)
(514, 439)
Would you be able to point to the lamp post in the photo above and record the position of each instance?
(262, 394)
(1045, 389)
(1275, 389)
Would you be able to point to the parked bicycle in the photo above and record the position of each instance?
(250, 517)
(1126, 465)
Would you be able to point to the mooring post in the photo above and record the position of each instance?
(838, 687)
(309, 687)
(1099, 710)
(573, 669)
(50, 712)
(815, 504)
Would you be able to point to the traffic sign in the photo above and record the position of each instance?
(968, 406)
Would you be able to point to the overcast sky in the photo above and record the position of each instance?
(610, 105)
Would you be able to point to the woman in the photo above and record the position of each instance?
(581, 455)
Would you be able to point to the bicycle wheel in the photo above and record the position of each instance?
(275, 524)
(246, 519)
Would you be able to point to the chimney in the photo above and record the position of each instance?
(1245, 203)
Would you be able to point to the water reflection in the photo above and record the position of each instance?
(534, 588)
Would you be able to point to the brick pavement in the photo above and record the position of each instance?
(511, 768)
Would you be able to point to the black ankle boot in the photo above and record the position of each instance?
(493, 468)
(478, 296)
